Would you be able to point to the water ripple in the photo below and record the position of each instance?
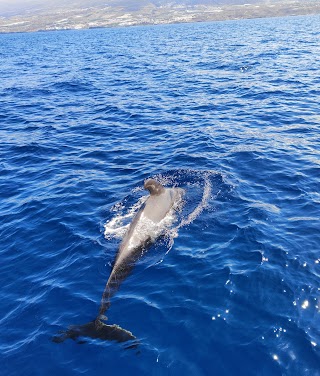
(228, 111)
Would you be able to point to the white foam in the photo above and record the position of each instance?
(146, 228)
(117, 226)
(201, 206)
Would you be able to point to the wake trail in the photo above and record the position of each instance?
(201, 206)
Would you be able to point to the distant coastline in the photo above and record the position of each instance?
(102, 17)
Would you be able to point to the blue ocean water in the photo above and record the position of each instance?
(228, 111)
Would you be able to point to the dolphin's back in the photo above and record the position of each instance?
(140, 235)
(158, 206)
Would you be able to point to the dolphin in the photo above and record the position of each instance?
(141, 233)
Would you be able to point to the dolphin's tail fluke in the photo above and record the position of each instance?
(97, 330)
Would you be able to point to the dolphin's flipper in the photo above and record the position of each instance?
(97, 330)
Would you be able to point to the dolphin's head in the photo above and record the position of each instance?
(153, 187)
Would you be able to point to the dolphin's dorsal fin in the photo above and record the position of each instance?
(153, 187)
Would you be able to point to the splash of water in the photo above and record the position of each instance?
(117, 226)
(202, 204)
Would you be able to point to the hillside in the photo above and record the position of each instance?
(35, 15)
